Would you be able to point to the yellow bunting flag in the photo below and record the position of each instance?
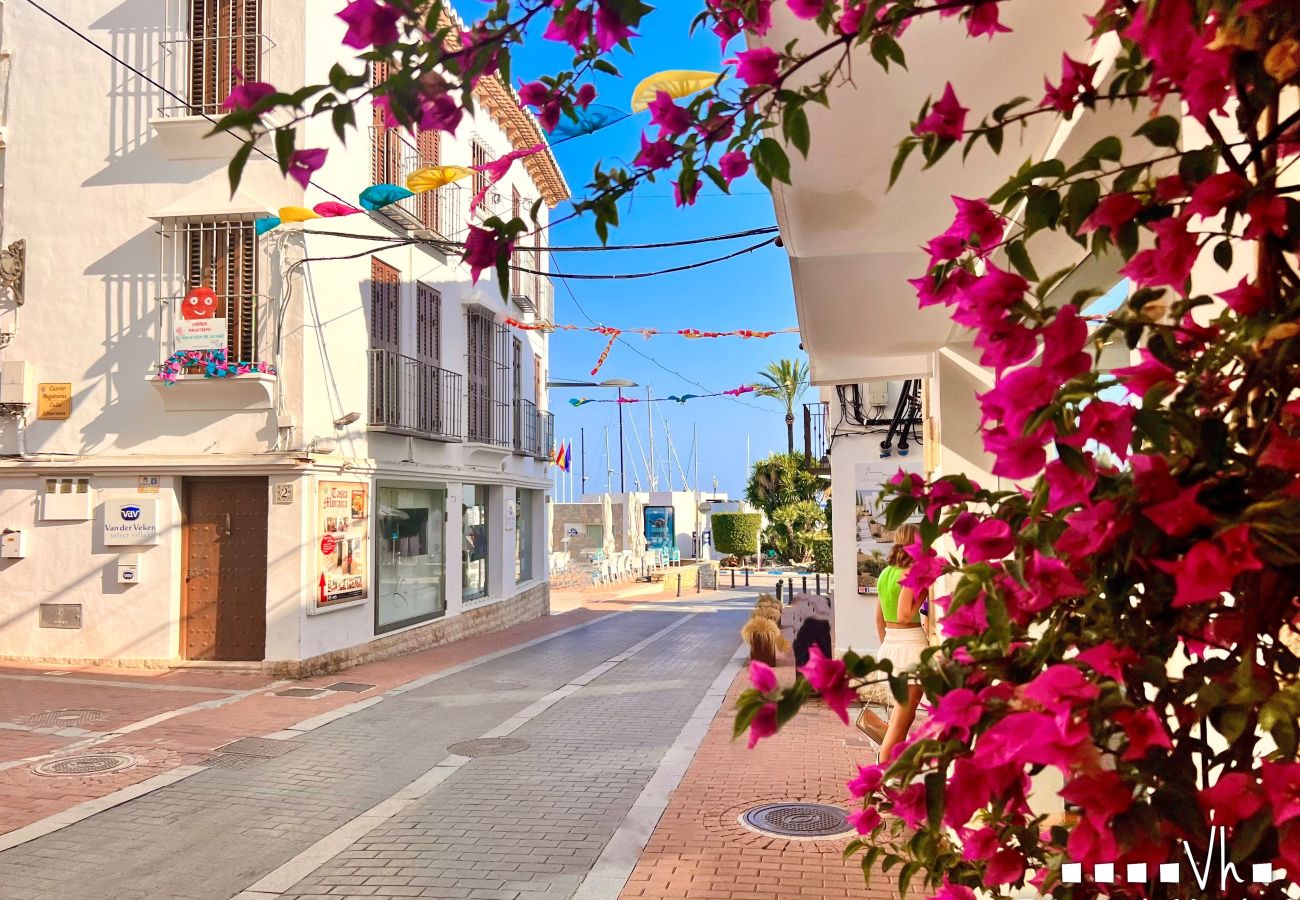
(297, 214)
(434, 177)
(676, 83)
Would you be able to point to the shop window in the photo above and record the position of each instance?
(474, 554)
(524, 500)
(411, 558)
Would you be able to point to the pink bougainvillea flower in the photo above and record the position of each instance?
(1267, 217)
(851, 21)
(1209, 567)
(1170, 261)
(1144, 730)
(1066, 487)
(976, 223)
(1060, 686)
(1015, 455)
(957, 711)
(909, 805)
(305, 162)
(370, 23)
(946, 119)
(1108, 659)
(1006, 344)
(1076, 83)
(731, 20)
(544, 100)
(1104, 794)
(1238, 548)
(246, 95)
(758, 67)
(1006, 867)
(951, 891)
(1246, 299)
(979, 845)
(869, 779)
(763, 725)
(1146, 375)
(1282, 785)
(989, 539)
(1181, 515)
(686, 197)
(1091, 842)
(830, 679)
(733, 165)
(672, 119)
(864, 820)
(1063, 341)
(983, 19)
(762, 677)
(655, 155)
(983, 301)
(806, 9)
(1049, 580)
(1233, 798)
(1017, 397)
(1113, 212)
(1282, 452)
(482, 249)
(611, 30)
(572, 28)
(926, 568)
(585, 95)
(1106, 423)
(1217, 192)
(442, 113)
(967, 620)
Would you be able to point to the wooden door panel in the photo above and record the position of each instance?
(224, 597)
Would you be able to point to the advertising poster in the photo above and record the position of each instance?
(872, 540)
(343, 525)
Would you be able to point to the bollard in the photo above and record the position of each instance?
(805, 584)
(817, 580)
(733, 578)
(746, 577)
(698, 579)
(679, 584)
(778, 590)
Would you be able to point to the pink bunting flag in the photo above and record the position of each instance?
(496, 169)
(332, 208)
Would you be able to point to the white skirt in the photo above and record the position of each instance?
(902, 647)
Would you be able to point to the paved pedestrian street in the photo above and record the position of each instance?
(540, 769)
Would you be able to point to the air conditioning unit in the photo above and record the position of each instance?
(17, 383)
(877, 393)
(525, 305)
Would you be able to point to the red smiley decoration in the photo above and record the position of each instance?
(199, 303)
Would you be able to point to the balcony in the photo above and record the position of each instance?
(413, 398)
(241, 325)
(816, 448)
(545, 434)
(527, 437)
(393, 159)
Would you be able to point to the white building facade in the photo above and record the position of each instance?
(375, 482)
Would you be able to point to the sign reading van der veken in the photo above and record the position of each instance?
(131, 523)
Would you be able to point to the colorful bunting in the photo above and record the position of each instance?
(578, 401)
(380, 195)
(672, 398)
(676, 83)
(434, 177)
(213, 363)
(332, 209)
(297, 214)
(265, 224)
(590, 120)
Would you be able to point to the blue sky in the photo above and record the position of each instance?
(752, 291)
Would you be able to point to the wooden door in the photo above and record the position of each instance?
(223, 595)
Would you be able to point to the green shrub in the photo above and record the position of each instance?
(823, 557)
(736, 532)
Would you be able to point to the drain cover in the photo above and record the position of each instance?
(300, 692)
(236, 761)
(89, 764)
(66, 718)
(264, 748)
(797, 820)
(488, 747)
(352, 687)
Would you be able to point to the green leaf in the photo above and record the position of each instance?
(934, 788)
(795, 126)
(1080, 201)
(284, 140)
(1163, 131)
(994, 136)
(604, 65)
(716, 177)
(343, 117)
(1223, 254)
(237, 163)
(905, 149)
(1106, 148)
(774, 159)
(1018, 256)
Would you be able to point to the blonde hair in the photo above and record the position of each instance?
(904, 536)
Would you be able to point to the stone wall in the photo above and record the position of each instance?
(475, 620)
(689, 574)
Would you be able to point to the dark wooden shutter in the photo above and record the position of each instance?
(479, 157)
(222, 256)
(383, 153)
(429, 144)
(385, 288)
(516, 259)
(224, 49)
(478, 340)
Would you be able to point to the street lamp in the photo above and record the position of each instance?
(619, 383)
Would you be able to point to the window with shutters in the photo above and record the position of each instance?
(386, 367)
(431, 381)
(478, 374)
(395, 155)
(385, 304)
(516, 280)
(478, 152)
(219, 254)
(223, 48)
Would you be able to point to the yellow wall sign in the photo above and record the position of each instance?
(53, 400)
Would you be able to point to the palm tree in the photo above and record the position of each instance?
(786, 379)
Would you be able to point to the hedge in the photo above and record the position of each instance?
(736, 532)
(823, 557)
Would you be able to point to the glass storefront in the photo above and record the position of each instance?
(474, 554)
(524, 534)
(410, 559)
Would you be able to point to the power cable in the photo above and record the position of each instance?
(452, 245)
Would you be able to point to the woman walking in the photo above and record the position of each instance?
(902, 638)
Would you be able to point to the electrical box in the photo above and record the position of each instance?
(13, 544)
(877, 393)
(67, 500)
(128, 568)
(17, 383)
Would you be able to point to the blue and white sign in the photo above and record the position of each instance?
(130, 523)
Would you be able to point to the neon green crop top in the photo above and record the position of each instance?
(889, 589)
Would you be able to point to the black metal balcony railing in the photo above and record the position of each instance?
(250, 326)
(393, 159)
(545, 434)
(415, 398)
(815, 446)
(204, 68)
(527, 436)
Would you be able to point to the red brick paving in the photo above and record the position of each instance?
(191, 737)
(699, 851)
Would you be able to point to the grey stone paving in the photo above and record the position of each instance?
(535, 821)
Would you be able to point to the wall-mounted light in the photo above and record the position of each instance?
(345, 420)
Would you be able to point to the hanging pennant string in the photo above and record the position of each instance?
(690, 333)
(672, 398)
(604, 354)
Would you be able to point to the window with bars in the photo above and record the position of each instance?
(478, 374)
(478, 153)
(394, 156)
(219, 254)
(428, 324)
(224, 49)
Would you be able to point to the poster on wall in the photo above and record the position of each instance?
(871, 537)
(343, 526)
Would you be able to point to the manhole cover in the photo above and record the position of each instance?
(264, 748)
(66, 718)
(797, 820)
(352, 687)
(300, 692)
(235, 761)
(488, 747)
(89, 764)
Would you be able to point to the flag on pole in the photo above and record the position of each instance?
(568, 457)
